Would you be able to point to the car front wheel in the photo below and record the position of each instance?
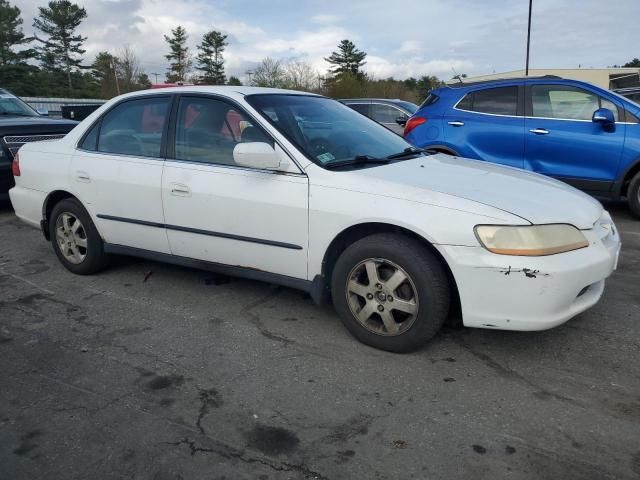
(633, 195)
(391, 292)
(75, 238)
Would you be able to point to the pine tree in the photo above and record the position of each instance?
(11, 35)
(210, 60)
(347, 60)
(235, 81)
(179, 57)
(59, 22)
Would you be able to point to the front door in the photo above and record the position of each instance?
(117, 173)
(220, 212)
(562, 141)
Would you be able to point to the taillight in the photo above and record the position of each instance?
(412, 123)
(15, 166)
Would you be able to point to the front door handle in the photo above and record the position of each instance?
(456, 123)
(179, 190)
(82, 176)
(539, 131)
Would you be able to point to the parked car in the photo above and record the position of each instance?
(393, 114)
(226, 179)
(632, 93)
(571, 130)
(20, 124)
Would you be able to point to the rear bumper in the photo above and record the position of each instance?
(27, 204)
(532, 293)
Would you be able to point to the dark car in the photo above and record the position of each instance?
(19, 124)
(632, 93)
(393, 114)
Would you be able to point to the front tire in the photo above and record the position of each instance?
(633, 195)
(75, 239)
(391, 292)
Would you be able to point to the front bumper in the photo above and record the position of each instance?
(533, 293)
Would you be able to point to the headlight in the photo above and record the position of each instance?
(530, 241)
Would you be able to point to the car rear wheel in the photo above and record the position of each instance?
(633, 195)
(391, 292)
(75, 238)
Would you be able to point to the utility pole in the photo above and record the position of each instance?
(528, 38)
(155, 75)
(115, 75)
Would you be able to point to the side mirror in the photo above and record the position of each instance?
(604, 116)
(42, 111)
(402, 121)
(256, 155)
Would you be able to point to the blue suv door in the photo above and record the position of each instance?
(562, 140)
(488, 124)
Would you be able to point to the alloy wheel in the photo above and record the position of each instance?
(382, 296)
(71, 238)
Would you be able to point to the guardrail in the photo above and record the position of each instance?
(54, 105)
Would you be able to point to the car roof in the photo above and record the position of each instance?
(227, 90)
(501, 80)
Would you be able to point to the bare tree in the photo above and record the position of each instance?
(300, 75)
(129, 69)
(269, 73)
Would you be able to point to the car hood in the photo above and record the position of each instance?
(535, 198)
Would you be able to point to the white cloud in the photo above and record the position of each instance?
(381, 67)
(325, 18)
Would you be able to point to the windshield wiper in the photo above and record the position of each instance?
(357, 160)
(409, 151)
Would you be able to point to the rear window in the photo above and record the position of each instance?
(430, 100)
(495, 101)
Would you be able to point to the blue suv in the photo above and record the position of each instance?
(571, 130)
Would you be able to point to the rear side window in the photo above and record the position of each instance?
(495, 101)
(135, 127)
(362, 108)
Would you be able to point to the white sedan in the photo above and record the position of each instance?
(300, 190)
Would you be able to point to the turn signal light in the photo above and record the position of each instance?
(15, 166)
(412, 123)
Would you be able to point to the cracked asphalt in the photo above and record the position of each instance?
(151, 371)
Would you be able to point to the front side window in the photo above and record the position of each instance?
(385, 113)
(135, 127)
(494, 101)
(326, 130)
(207, 131)
(567, 102)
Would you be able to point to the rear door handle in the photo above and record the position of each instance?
(83, 176)
(179, 190)
(539, 131)
(456, 123)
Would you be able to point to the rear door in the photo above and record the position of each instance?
(488, 124)
(117, 173)
(562, 141)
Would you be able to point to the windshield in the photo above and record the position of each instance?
(325, 130)
(10, 105)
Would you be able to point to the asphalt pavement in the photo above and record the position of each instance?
(151, 371)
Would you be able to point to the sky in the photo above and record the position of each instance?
(402, 38)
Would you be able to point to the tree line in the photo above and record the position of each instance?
(50, 63)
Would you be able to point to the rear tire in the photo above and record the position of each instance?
(633, 195)
(391, 292)
(75, 238)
